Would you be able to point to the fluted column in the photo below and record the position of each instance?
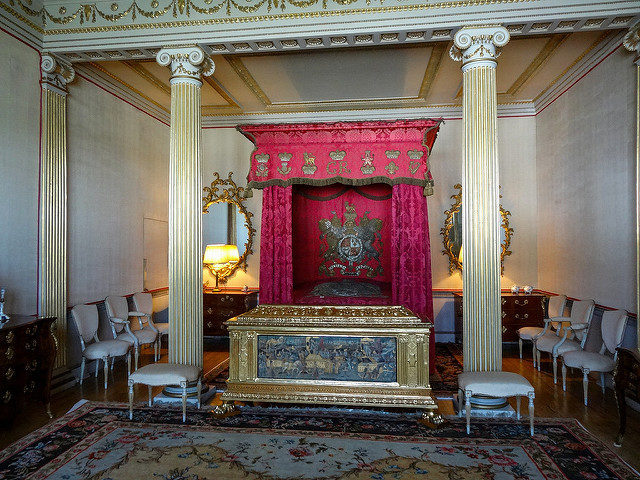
(478, 48)
(188, 65)
(52, 232)
(632, 43)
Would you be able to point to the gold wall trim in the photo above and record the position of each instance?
(243, 72)
(138, 68)
(543, 56)
(217, 86)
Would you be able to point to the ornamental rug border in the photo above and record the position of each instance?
(562, 448)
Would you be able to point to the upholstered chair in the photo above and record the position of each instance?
(86, 319)
(143, 303)
(118, 313)
(604, 361)
(554, 309)
(577, 324)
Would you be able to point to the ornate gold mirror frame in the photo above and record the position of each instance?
(227, 191)
(452, 239)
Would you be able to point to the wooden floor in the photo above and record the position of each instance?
(600, 417)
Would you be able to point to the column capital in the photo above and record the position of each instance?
(188, 64)
(56, 74)
(478, 45)
(631, 42)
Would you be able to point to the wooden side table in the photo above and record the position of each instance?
(27, 355)
(627, 373)
(218, 307)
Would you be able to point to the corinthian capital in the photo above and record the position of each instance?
(56, 74)
(187, 64)
(479, 45)
(631, 42)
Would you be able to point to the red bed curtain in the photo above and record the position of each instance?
(276, 254)
(411, 255)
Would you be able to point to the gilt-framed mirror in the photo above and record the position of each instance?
(226, 220)
(452, 233)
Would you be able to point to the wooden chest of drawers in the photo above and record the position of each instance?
(218, 307)
(27, 354)
(518, 310)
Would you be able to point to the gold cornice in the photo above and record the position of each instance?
(540, 59)
(22, 18)
(139, 69)
(574, 63)
(435, 59)
(181, 5)
(246, 77)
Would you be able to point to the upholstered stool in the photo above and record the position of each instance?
(494, 384)
(160, 374)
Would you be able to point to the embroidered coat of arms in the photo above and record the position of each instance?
(353, 245)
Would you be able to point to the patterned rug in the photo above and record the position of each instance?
(97, 441)
(444, 382)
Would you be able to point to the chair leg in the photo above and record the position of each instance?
(467, 403)
(156, 350)
(199, 390)
(130, 400)
(128, 363)
(150, 395)
(97, 366)
(520, 346)
(602, 380)
(534, 353)
(137, 354)
(538, 357)
(82, 365)
(105, 360)
(113, 360)
(531, 397)
(585, 384)
(555, 369)
(460, 402)
(518, 406)
(184, 402)
(564, 377)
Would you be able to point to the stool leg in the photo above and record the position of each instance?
(150, 396)
(520, 346)
(130, 400)
(564, 377)
(82, 364)
(518, 406)
(199, 390)
(97, 366)
(106, 371)
(113, 360)
(585, 384)
(460, 401)
(602, 380)
(467, 402)
(184, 402)
(531, 396)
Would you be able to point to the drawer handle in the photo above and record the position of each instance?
(9, 353)
(31, 367)
(226, 298)
(504, 314)
(209, 324)
(524, 302)
(525, 316)
(6, 398)
(209, 310)
(9, 337)
(9, 373)
(31, 345)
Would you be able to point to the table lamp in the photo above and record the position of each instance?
(219, 256)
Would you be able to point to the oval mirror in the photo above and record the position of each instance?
(452, 233)
(226, 221)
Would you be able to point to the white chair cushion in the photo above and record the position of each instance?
(546, 342)
(569, 346)
(591, 360)
(165, 374)
(144, 336)
(106, 348)
(527, 333)
(162, 327)
(495, 384)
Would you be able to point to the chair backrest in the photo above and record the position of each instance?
(582, 312)
(86, 320)
(556, 305)
(143, 302)
(613, 323)
(117, 307)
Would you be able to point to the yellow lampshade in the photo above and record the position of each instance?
(219, 254)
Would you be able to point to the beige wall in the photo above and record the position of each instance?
(226, 150)
(586, 187)
(19, 133)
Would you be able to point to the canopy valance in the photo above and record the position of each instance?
(351, 153)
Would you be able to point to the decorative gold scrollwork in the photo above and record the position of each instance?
(9, 337)
(6, 398)
(10, 373)
(227, 191)
(452, 233)
(524, 302)
(9, 353)
(30, 387)
(504, 329)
